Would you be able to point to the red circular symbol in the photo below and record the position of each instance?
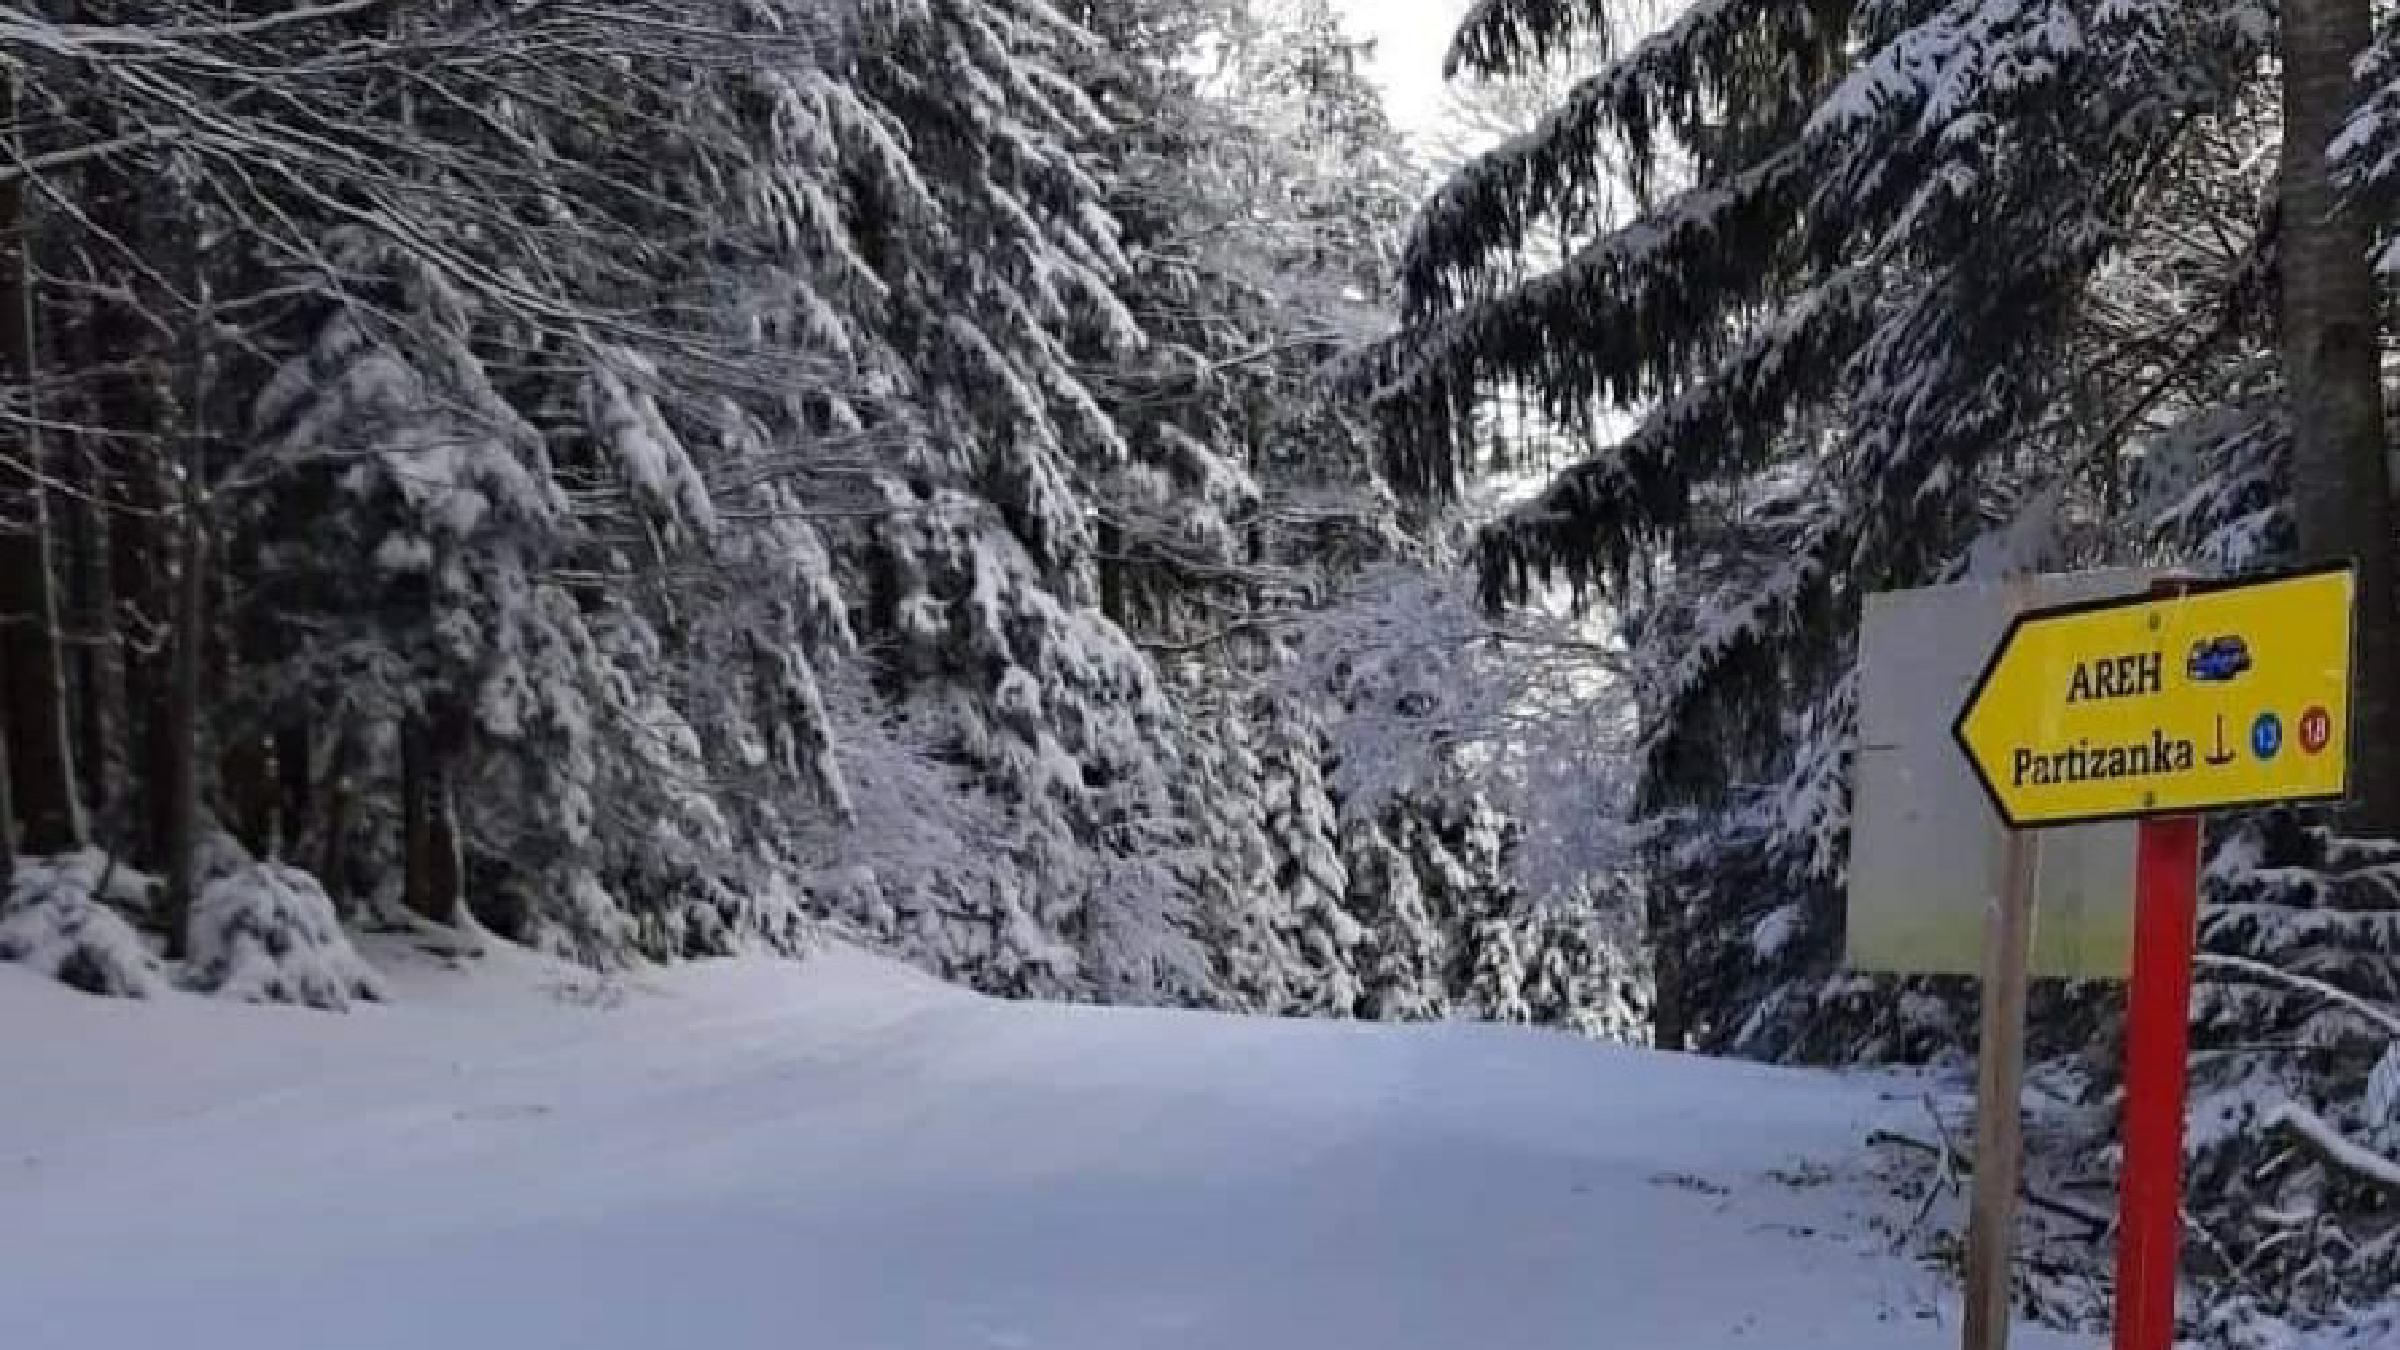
(2316, 730)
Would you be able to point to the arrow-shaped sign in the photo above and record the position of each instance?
(2229, 694)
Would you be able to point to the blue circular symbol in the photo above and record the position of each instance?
(2266, 735)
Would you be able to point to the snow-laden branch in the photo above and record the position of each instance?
(69, 158)
(76, 39)
(2381, 1016)
(2320, 1137)
(1428, 693)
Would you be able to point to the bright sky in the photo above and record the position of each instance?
(1410, 37)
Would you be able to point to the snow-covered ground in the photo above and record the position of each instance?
(842, 1154)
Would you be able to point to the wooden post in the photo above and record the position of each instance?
(2000, 1079)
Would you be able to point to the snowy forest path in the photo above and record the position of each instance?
(844, 1154)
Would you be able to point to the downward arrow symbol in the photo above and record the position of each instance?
(2220, 755)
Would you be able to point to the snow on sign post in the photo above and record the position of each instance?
(2196, 697)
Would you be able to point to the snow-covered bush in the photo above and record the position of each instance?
(59, 917)
(268, 934)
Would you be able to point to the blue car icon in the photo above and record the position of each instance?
(2216, 660)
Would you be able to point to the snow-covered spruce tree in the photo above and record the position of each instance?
(492, 430)
(1307, 906)
(626, 388)
(1403, 946)
(977, 558)
(1261, 190)
(1848, 343)
(666, 475)
(423, 292)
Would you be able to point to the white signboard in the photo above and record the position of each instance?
(1926, 849)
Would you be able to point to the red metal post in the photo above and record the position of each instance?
(2157, 1040)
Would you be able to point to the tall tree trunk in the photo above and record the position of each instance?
(179, 789)
(129, 399)
(1112, 573)
(179, 792)
(95, 664)
(246, 793)
(434, 874)
(330, 816)
(41, 760)
(246, 788)
(140, 565)
(2341, 487)
(292, 792)
(1670, 1005)
(8, 815)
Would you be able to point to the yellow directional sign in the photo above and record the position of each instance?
(2230, 694)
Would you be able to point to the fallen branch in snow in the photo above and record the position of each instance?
(2330, 1145)
(1947, 1178)
(2216, 1247)
(2093, 1221)
(1944, 1180)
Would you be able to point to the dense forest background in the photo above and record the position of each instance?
(1041, 489)
(646, 479)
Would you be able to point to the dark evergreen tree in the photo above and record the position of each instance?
(1846, 342)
